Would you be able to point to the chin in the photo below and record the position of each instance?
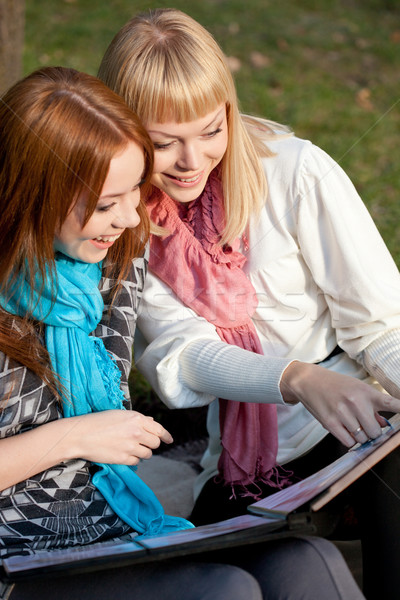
(87, 258)
(188, 196)
(94, 259)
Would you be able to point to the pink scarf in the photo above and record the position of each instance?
(209, 279)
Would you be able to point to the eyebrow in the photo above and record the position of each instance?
(215, 118)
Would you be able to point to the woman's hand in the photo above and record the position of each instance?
(115, 437)
(345, 406)
(112, 436)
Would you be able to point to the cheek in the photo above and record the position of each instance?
(222, 145)
(217, 150)
(67, 230)
(97, 224)
(72, 225)
(161, 162)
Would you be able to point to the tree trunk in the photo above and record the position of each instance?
(12, 23)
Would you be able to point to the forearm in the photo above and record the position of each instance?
(233, 373)
(29, 453)
(110, 436)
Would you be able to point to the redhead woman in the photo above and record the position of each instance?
(73, 160)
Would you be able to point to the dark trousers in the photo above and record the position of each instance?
(300, 568)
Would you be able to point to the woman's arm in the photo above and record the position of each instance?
(187, 362)
(165, 328)
(226, 371)
(341, 403)
(114, 436)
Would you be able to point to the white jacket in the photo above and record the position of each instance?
(323, 277)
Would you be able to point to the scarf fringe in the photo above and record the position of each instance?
(278, 477)
(110, 373)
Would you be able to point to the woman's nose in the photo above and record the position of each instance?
(126, 215)
(189, 157)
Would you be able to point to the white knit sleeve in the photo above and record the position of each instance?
(232, 373)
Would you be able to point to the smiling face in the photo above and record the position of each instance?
(186, 153)
(115, 210)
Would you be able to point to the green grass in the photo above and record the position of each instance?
(329, 68)
(331, 71)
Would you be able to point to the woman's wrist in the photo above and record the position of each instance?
(291, 381)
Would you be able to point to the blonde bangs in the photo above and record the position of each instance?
(161, 89)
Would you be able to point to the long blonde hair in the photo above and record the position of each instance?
(166, 66)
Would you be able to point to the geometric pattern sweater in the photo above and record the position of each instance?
(60, 507)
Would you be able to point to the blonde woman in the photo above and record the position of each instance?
(269, 289)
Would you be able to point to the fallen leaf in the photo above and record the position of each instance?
(282, 44)
(363, 99)
(233, 28)
(395, 37)
(362, 43)
(234, 63)
(338, 37)
(259, 60)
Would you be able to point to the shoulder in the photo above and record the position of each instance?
(284, 169)
(289, 154)
(119, 317)
(138, 269)
(298, 165)
(131, 287)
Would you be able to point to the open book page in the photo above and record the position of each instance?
(333, 478)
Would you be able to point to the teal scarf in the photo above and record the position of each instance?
(71, 310)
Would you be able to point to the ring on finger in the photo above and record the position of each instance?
(356, 431)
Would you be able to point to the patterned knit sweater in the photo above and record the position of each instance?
(60, 507)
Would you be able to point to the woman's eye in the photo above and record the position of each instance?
(213, 133)
(105, 207)
(161, 146)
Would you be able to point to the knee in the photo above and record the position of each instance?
(228, 581)
(317, 570)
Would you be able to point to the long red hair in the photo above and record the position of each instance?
(59, 130)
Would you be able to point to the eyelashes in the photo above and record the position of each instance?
(105, 207)
(160, 146)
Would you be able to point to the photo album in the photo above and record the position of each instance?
(282, 514)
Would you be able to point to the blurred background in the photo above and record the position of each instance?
(328, 68)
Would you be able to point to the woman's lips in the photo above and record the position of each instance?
(104, 242)
(186, 182)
